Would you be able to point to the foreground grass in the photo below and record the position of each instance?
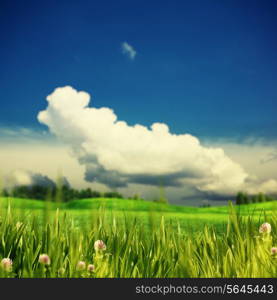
(134, 248)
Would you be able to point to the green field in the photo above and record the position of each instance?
(143, 239)
(189, 218)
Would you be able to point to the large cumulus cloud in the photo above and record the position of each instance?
(117, 154)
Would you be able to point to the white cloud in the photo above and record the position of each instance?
(117, 154)
(268, 186)
(128, 50)
(20, 177)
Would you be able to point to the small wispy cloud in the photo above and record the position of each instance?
(269, 157)
(129, 50)
(21, 133)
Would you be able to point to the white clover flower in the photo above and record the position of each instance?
(265, 228)
(81, 265)
(99, 245)
(274, 250)
(91, 268)
(6, 264)
(44, 259)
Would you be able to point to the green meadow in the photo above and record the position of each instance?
(188, 217)
(141, 238)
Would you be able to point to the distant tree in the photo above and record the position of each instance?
(5, 193)
(61, 192)
(67, 193)
(21, 192)
(247, 199)
(268, 198)
(243, 198)
(84, 193)
(255, 199)
(240, 198)
(261, 198)
(136, 197)
(38, 192)
(31, 192)
(112, 195)
(95, 194)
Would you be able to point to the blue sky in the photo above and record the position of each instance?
(204, 67)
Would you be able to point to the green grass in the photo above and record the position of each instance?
(189, 218)
(132, 205)
(143, 239)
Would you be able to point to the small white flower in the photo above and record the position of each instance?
(265, 228)
(81, 265)
(274, 250)
(99, 245)
(91, 268)
(44, 259)
(6, 264)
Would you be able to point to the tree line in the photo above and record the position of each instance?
(63, 193)
(244, 198)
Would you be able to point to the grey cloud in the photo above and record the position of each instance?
(96, 173)
(28, 178)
